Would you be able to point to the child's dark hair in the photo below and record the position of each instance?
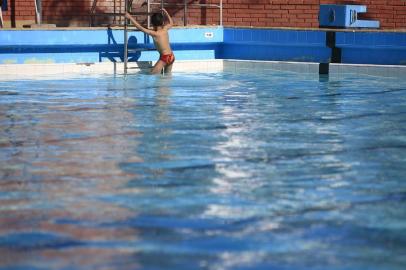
(157, 19)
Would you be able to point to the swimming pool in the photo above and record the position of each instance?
(228, 170)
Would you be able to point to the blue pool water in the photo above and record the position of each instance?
(203, 171)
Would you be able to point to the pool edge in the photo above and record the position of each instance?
(15, 71)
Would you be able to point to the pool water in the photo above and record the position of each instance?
(203, 171)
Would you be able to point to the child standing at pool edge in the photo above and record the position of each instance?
(161, 40)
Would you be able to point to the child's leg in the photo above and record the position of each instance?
(158, 67)
(168, 68)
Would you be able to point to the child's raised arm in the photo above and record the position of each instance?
(170, 21)
(139, 26)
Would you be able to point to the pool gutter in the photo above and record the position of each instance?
(39, 71)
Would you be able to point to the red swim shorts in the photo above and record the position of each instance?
(167, 58)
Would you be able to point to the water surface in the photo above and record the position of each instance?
(203, 171)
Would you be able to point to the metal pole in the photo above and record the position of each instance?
(221, 12)
(1, 15)
(38, 11)
(125, 41)
(149, 11)
(114, 11)
(92, 12)
(1, 19)
(185, 13)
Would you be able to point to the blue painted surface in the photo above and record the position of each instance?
(30, 46)
(372, 47)
(98, 53)
(344, 16)
(280, 45)
(102, 36)
(66, 46)
(190, 35)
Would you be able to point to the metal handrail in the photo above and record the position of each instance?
(92, 12)
(185, 6)
(1, 18)
(162, 3)
(125, 53)
(38, 11)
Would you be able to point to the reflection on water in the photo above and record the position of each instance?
(203, 171)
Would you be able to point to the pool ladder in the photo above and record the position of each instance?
(120, 7)
(128, 8)
(120, 20)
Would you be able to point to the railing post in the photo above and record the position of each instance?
(91, 23)
(1, 15)
(38, 11)
(221, 12)
(149, 11)
(125, 53)
(185, 13)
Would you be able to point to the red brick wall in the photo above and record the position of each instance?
(60, 12)
(76, 12)
(262, 13)
(304, 13)
(19, 12)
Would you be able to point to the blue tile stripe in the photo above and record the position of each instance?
(274, 36)
(21, 46)
(381, 48)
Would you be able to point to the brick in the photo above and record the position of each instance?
(267, 13)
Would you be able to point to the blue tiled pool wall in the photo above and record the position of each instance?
(64, 46)
(381, 48)
(387, 48)
(276, 45)
(78, 46)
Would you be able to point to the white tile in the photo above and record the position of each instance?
(235, 66)
(335, 69)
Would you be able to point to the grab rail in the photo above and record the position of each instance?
(38, 11)
(3, 4)
(1, 18)
(150, 3)
(185, 6)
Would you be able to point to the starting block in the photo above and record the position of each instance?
(344, 16)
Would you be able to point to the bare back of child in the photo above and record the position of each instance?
(160, 37)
